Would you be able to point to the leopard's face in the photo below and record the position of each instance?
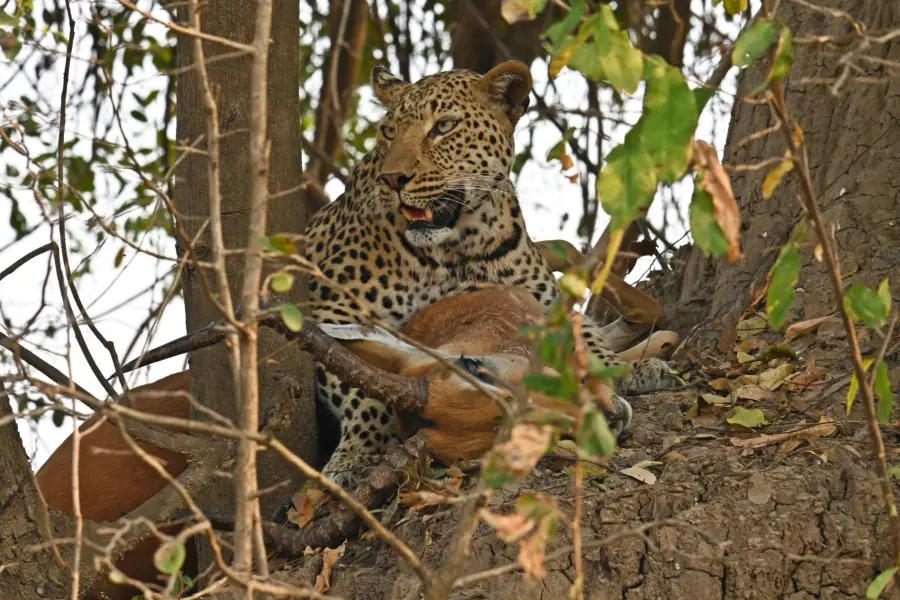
(444, 144)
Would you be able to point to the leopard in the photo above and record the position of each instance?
(430, 212)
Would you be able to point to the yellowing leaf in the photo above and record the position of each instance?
(751, 326)
(707, 234)
(880, 583)
(744, 358)
(747, 417)
(774, 177)
(283, 282)
(866, 305)
(624, 64)
(515, 11)
(292, 317)
(773, 378)
(883, 391)
(573, 285)
(718, 185)
(734, 7)
(627, 184)
(854, 384)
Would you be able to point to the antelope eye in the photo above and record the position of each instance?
(476, 368)
(387, 131)
(443, 127)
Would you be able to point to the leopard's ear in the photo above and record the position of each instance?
(508, 84)
(387, 86)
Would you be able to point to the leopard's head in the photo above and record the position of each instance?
(445, 142)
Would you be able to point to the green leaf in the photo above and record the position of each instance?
(279, 243)
(120, 256)
(894, 472)
(283, 282)
(292, 317)
(10, 44)
(138, 116)
(747, 417)
(17, 220)
(702, 95)
(854, 385)
(879, 583)
(550, 385)
(864, 304)
(169, 558)
(753, 42)
(623, 65)
(784, 275)
(670, 119)
(784, 58)
(883, 391)
(558, 32)
(559, 149)
(59, 418)
(627, 184)
(585, 56)
(705, 230)
(595, 439)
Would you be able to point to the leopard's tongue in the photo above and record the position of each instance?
(417, 214)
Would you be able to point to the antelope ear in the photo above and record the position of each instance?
(374, 345)
(387, 86)
(509, 85)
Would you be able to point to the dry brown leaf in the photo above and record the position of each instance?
(455, 472)
(510, 528)
(330, 556)
(717, 183)
(304, 509)
(721, 384)
(819, 252)
(532, 551)
(826, 427)
(808, 326)
(422, 499)
(526, 445)
(773, 378)
(752, 392)
(786, 448)
(641, 474)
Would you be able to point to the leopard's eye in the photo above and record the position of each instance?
(387, 131)
(476, 368)
(443, 127)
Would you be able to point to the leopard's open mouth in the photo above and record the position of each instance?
(440, 213)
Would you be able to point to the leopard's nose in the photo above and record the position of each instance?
(396, 181)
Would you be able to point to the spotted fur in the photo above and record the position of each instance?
(444, 145)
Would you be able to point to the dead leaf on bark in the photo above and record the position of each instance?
(717, 183)
(423, 499)
(331, 556)
(305, 504)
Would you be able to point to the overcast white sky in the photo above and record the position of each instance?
(119, 299)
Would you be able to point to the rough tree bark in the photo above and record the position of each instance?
(30, 574)
(286, 386)
(854, 141)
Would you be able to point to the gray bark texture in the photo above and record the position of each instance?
(854, 149)
(28, 573)
(286, 384)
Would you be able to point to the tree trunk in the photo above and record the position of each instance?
(28, 574)
(854, 146)
(286, 385)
